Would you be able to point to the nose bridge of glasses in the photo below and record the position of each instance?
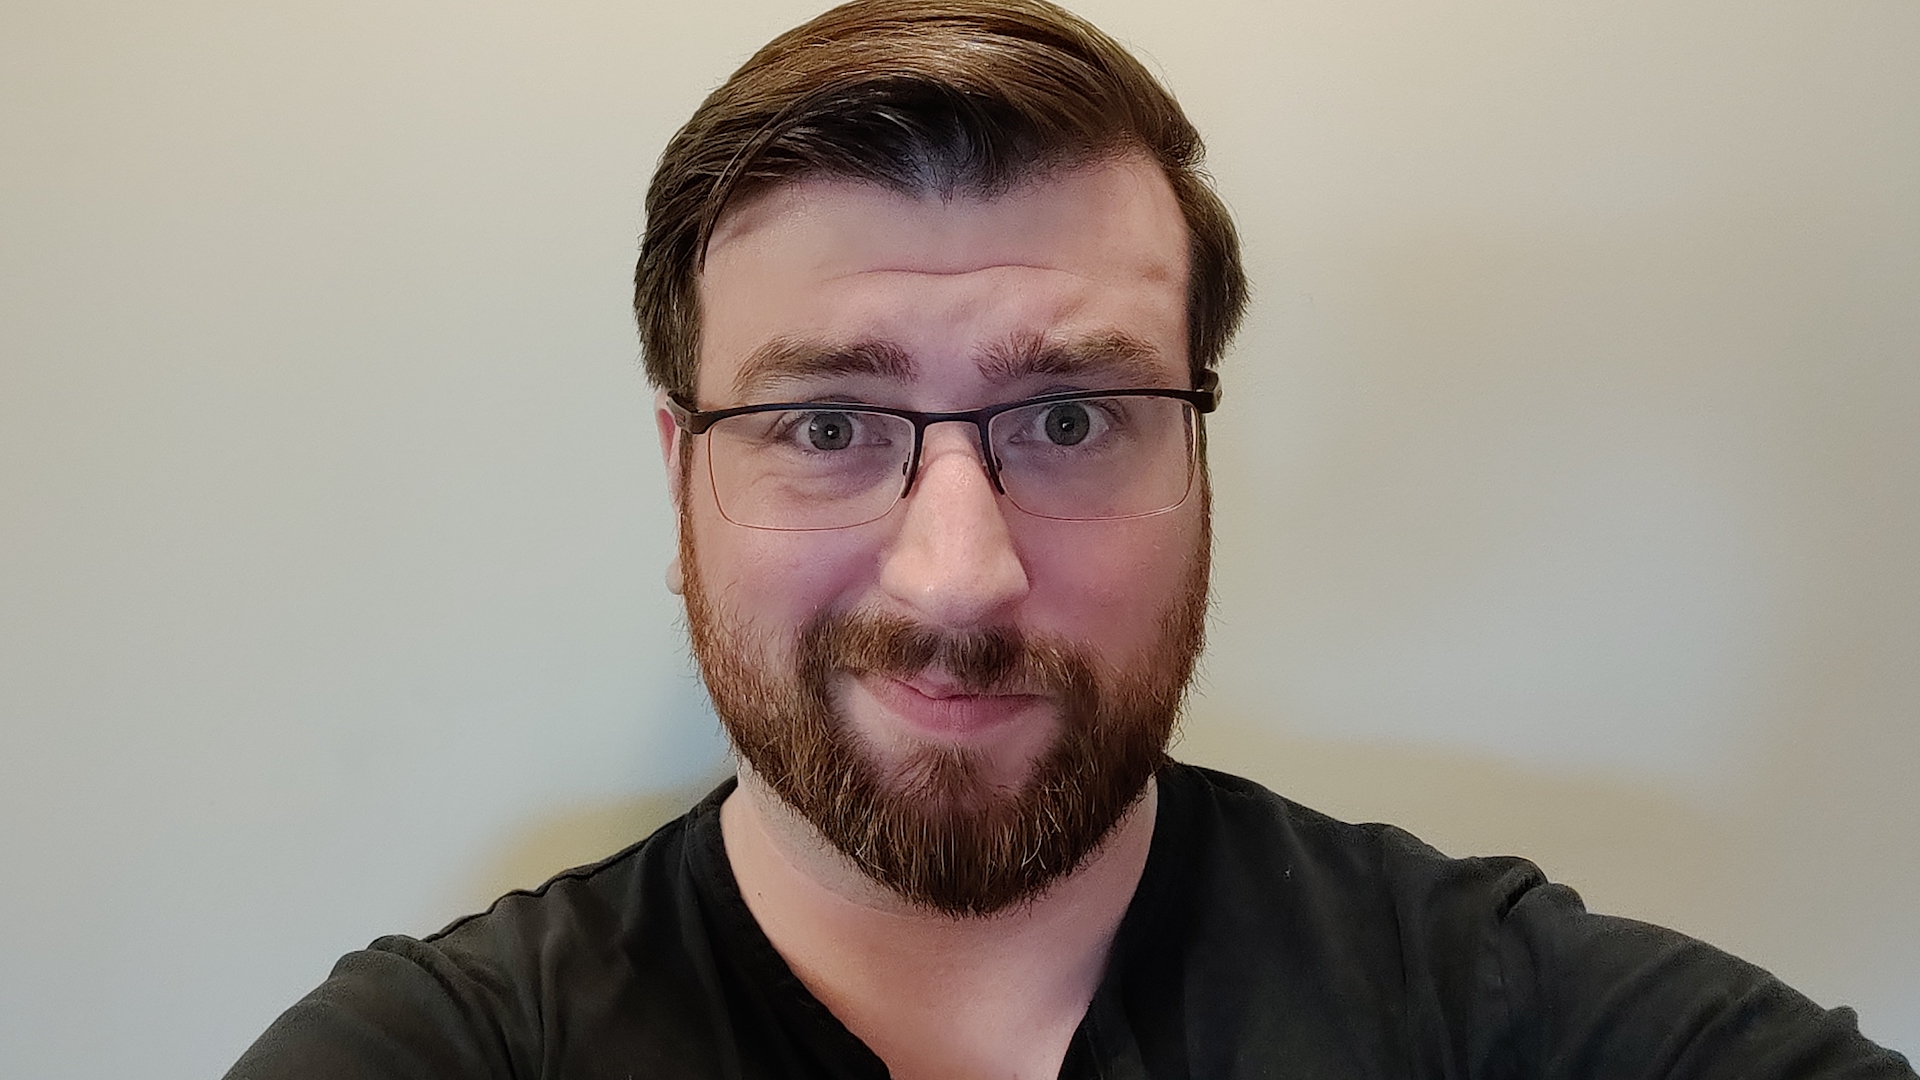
(924, 435)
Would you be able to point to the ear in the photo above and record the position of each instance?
(670, 436)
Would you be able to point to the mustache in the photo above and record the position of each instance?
(985, 661)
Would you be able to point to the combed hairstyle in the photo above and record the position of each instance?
(923, 97)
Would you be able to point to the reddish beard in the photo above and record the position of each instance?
(933, 829)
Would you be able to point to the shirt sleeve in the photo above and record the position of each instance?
(400, 1010)
(1591, 997)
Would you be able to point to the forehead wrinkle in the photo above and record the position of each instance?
(1116, 354)
(787, 358)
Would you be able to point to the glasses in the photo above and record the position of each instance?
(1095, 455)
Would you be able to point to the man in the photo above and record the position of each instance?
(934, 293)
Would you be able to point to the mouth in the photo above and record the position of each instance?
(943, 707)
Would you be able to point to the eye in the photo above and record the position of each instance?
(1066, 423)
(1080, 425)
(830, 430)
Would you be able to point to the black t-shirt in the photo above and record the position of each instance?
(1265, 940)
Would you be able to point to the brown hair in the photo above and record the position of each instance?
(923, 97)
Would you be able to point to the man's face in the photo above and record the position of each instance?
(961, 696)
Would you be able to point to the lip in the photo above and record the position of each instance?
(943, 710)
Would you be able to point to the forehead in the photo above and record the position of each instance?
(929, 290)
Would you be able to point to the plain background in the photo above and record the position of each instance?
(1568, 482)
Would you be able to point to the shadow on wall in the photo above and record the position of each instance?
(584, 834)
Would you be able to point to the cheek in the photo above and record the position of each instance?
(1110, 587)
(773, 580)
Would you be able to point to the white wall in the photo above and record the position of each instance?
(1569, 486)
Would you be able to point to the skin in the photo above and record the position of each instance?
(1076, 256)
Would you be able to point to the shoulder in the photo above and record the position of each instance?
(1298, 937)
(641, 893)
(1244, 830)
(1473, 965)
(601, 954)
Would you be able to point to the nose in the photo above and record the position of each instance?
(952, 563)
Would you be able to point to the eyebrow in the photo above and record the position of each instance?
(1115, 356)
(784, 359)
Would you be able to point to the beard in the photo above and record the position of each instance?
(933, 828)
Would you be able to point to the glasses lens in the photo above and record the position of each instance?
(820, 468)
(1095, 458)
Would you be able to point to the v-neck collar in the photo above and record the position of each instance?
(1104, 1045)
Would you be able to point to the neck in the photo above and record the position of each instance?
(931, 994)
